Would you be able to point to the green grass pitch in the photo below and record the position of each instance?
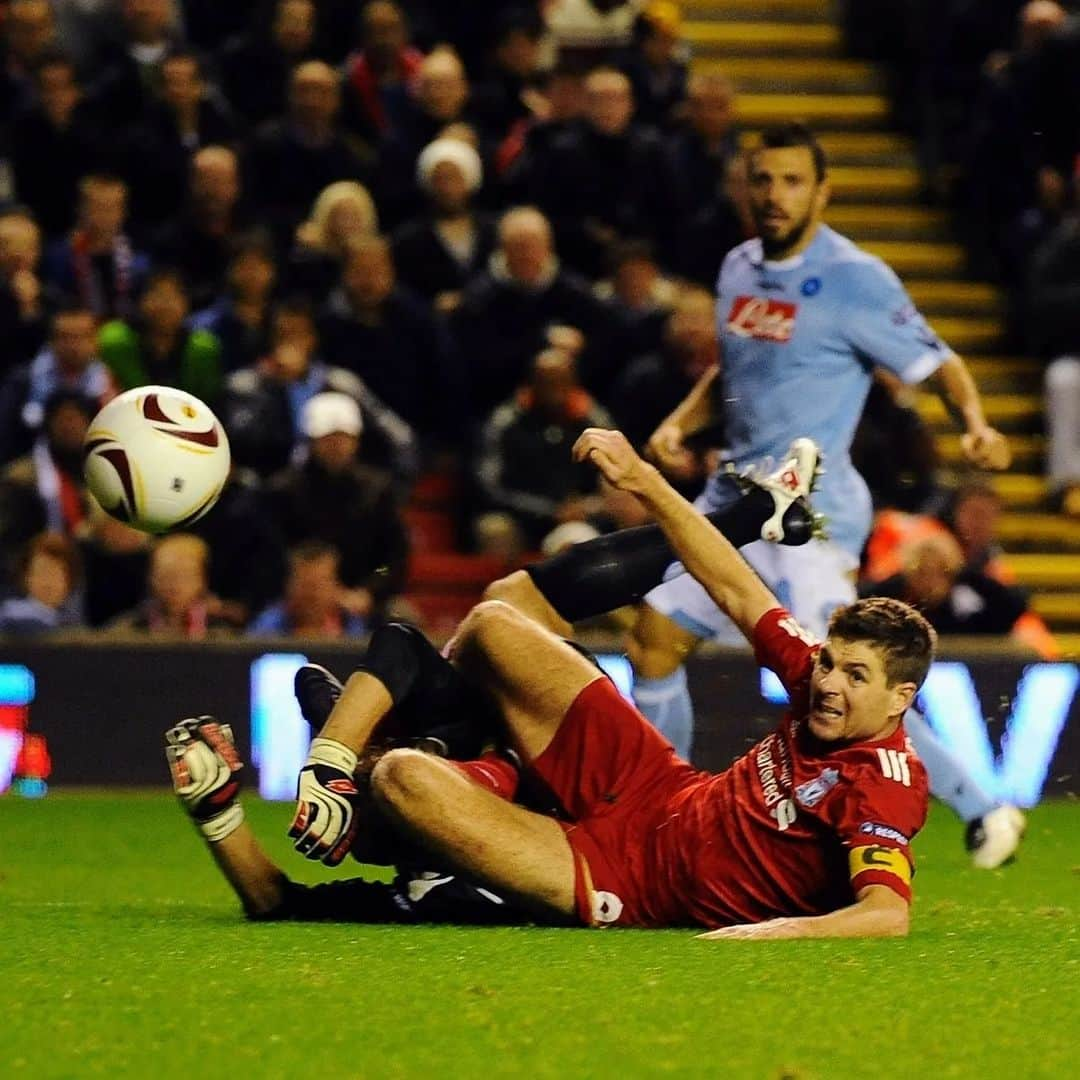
(122, 953)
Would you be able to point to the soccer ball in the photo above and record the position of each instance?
(156, 458)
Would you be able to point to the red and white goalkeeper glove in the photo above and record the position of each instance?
(326, 800)
(206, 774)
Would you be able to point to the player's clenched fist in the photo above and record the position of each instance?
(206, 774)
(326, 799)
(612, 454)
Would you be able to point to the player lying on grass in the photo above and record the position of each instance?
(806, 835)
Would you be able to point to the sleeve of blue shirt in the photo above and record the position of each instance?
(885, 327)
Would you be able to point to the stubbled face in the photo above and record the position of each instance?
(786, 198)
(850, 697)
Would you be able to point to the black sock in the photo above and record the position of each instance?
(606, 573)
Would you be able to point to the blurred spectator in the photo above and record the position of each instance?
(590, 32)
(263, 410)
(199, 240)
(255, 66)
(439, 95)
(87, 27)
(509, 93)
(437, 253)
(179, 604)
(1013, 191)
(524, 469)
(956, 600)
(334, 498)
(641, 292)
(247, 553)
(311, 606)
(707, 236)
(343, 214)
(158, 348)
(54, 141)
(973, 515)
(1063, 432)
(240, 317)
(68, 362)
(893, 448)
(97, 261)
(1053, 319)
(389, 337)
(650, 388)
(189, 114)
(22, 295)
(45, 490)
(129, 69)
(606, 180)
(29, 35)
(505, 313)
(290, 161)
(380, 72)
(657, 63)
(48, 595)
(708, 140)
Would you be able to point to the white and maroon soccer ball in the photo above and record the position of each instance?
(156, 458)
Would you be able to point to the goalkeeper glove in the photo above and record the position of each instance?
(327, 797)
(206, 774)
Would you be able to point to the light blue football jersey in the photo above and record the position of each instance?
(799, 340)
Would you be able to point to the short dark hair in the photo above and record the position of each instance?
(793, 134)
(903, 636)
(309, 551)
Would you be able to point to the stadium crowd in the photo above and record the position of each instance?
(388, 243)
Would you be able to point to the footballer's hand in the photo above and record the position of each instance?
(612, 454)
(326, 801)
(206, 773)
(987, 448)
(771, 930)
(667, 449)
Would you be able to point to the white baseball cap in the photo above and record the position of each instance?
(332, 412)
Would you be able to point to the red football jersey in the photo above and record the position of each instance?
(795, 826)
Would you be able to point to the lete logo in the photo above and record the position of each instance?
(762, 318)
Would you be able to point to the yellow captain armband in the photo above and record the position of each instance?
(875, 857)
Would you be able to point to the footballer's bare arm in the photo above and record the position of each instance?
(983, 445)
(703, 549)
(878, 911)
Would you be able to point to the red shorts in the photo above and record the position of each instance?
(613, 773)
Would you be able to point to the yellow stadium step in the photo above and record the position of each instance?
(1034, 530)
(967, 335)
(731, 37)
(864, 223)
(1018, 369)
(1010, 412)
(1059, 572)
(874, 184)
(911, 259)
(794, 74)
(780, 10)
(956, 297)
(1020, 491)
(817, 110)
(1069, 645)
(1058, 608)
(1028, 450)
